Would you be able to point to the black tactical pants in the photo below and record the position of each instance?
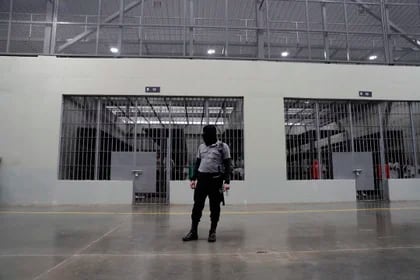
(208, 184)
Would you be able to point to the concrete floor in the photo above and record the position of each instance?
(294, 241)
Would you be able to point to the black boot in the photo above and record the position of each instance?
(192, 235)
(212, 232)
(212, 236)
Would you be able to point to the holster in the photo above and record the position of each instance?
(222, 196)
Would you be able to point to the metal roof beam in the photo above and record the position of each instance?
(86, 33)
(154, 111)
(391, 24)
(260, 25)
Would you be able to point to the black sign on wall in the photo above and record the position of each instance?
(152, 89)
(365, 93)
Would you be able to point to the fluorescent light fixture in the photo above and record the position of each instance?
(373, 57)
(176, 122)
(211, 51)
(174, 109)
(114, 50)
(285, 54)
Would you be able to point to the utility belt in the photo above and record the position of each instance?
(213, 176)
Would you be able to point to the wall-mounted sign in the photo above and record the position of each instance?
(365, 93)
(152, 89)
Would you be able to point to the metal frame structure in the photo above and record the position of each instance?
(346, 31)
(388, 130)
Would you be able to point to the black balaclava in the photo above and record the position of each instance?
(209, 135)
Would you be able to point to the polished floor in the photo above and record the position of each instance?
(281, 241)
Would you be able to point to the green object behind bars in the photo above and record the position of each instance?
(191, 172)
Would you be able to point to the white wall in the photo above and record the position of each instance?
(30, 105)
(400, 189)
(296, 191)
(93, 192)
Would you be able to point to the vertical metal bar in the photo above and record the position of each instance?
(158, 148)
(362, 119)
(134, 139)
(54, 27)
(406, 155)
(318, 139)
(242, 117)
(72, 147)
(85, 133)
(226, 28)
(141, 28)
(9, 28)
(135, 131)
(64, 155)
(413, 137)
(121, 22)
(385, 29)
(121, 138)
(98, 136)
(206, 111)
(78, 140)
(325, 32)
(68, 146)
(307, 29)
(350, 116)
(297, 152)
(134, 166)
(352, 150)
(90, 165)
(334, 117)
(260, 30)
(30, 27)
(86, 22)
(105, 150)
(72, 135)
(114, 129)
(384, 181)
(48, 26)
(268, 28)
(175, 148)
(98, 26)
(127, 128)
(191, 28)
(169, 155)
(389, 41)
(61, 170)
(184, 41)
(163, 137)
(346, 24)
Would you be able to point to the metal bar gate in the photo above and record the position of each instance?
(370, 142)
(149, 140)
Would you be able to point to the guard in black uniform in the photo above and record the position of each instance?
(211, 178)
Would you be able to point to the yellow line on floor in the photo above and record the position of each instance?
(223, 212)
(230, 254)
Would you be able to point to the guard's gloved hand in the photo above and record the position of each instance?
(193, 184)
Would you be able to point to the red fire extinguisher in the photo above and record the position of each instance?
(315, 169)
(387, 171)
